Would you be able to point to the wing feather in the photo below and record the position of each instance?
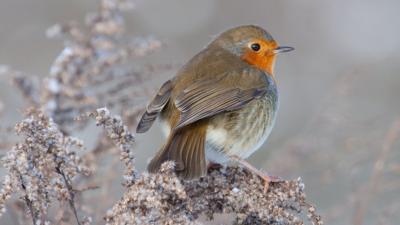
(154, 108)
(210, 97)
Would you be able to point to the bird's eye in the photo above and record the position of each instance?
(255, 47)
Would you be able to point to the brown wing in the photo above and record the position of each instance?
(155, 107)
(226, 93)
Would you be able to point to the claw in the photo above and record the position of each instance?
(266, 183)
(213, 166)
(267, 179)
(270, 179)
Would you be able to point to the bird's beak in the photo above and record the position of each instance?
(282, 49)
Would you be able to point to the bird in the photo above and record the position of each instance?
(220, 106)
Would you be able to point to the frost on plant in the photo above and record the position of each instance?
(41, 168)
(121, 137)
(165, 199)
(95, 68)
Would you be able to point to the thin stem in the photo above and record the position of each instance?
(390, 138)
(28, 202)
(71, 194)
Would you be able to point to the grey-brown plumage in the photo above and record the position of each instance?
(155, 107)
(223, 102)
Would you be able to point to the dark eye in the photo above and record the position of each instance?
(255, 47)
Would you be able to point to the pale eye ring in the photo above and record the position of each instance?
(255, 47)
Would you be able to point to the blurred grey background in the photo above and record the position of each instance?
(339, 90)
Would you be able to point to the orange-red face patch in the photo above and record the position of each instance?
(264, 57)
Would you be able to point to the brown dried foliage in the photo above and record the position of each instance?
(41, 167)
(165, 199)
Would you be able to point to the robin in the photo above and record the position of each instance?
(220, 106)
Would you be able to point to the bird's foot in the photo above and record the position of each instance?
(213, 166)
(267, 178)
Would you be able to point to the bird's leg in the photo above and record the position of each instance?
(267, 179)
(213, 166)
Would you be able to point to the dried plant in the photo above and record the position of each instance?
(372, 186)
(165, 199)
(42, 167)
(121, 137)
(93, 70)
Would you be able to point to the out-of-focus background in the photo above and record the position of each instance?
(339, 91)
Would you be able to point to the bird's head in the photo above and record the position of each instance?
(252, 44)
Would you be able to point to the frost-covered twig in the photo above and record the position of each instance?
(121, 137)
(42, 166)
(165, 199)
(96, 67)
(89, 69)
(390, 138)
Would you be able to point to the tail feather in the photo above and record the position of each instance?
(186, 148)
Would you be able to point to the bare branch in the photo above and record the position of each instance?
(362, 205)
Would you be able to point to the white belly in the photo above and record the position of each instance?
(242, 148)
(237, 135)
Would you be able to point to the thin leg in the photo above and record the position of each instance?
(213, 166)
(267, 179)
